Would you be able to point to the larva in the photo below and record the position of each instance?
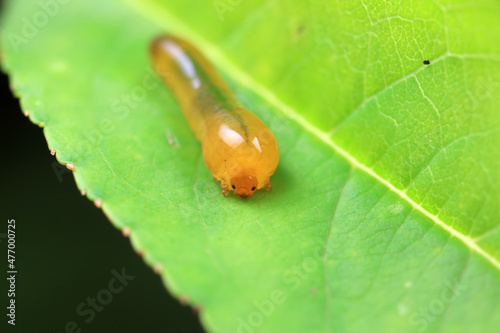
(238, 148)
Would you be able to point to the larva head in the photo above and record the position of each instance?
(244, 186)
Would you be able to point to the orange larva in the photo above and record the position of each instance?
(238, 148)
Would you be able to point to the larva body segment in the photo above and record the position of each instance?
(238, 148)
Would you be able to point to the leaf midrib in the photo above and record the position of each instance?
(157, 14)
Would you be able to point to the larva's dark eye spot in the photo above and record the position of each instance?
(253, 188)
(427, 62)
(234, 187)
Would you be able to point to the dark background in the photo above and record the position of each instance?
(66, 248)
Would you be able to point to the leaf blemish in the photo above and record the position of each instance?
(126, 232)
(300, 30)
(172, 140)
(157, 268)
(184, 300)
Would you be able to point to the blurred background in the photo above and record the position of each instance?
(66, 249)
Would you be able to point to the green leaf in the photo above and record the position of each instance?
(385, 210)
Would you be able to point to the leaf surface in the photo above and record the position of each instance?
(385, 210)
